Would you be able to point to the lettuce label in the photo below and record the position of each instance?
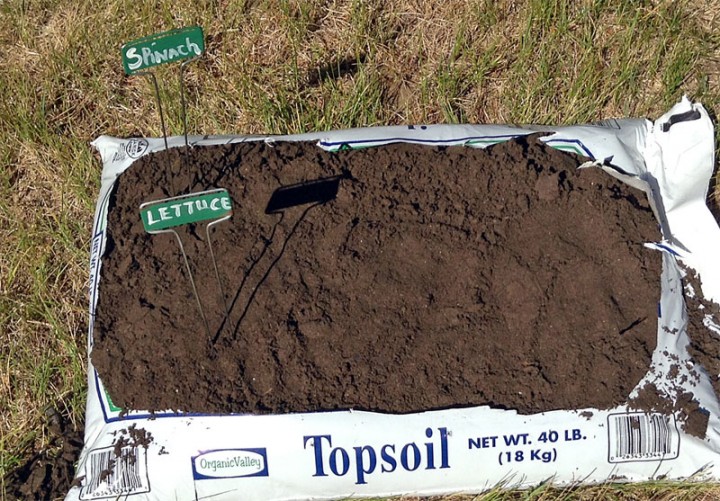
(192, 208)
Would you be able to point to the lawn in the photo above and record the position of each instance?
(287, 67)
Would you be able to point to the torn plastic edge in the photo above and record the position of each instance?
(687, 116)
(632, 180)
(665, 246)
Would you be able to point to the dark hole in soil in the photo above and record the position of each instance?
(426, 278)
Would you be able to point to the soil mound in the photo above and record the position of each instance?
(396, 279)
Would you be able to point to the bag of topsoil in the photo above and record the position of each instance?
(403, 310)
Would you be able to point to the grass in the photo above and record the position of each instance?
(288, 67)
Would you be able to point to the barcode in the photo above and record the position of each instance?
(108, 474)
(642, 437)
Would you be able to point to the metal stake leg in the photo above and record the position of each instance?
(182, 97)
(192, 282)
(151, 76)
(217, 274)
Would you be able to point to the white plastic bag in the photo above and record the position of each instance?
(362, 454)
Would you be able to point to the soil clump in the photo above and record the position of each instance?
(48, 474)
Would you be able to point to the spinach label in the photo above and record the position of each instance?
(161, 48)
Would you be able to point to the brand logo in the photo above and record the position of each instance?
(135, 148)
(366, 460)
(230, 463)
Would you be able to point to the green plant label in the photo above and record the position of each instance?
(192, 208)
(160, 48)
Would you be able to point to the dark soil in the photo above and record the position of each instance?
(48, 474)
(704, 345)
(436, 278)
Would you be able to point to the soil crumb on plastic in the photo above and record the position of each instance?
(693, 418)
(704, 345)
(432, 278)
(131, 437)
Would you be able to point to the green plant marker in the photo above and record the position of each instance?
(183, 44)
(161, 48)
(191, 208)
(162, 216)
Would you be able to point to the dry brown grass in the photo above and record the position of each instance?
(282, 67)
